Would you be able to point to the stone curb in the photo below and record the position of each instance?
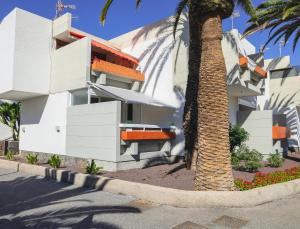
(162, 195)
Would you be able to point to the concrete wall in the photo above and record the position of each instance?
(43, 123)
(285, 92)
(93, 131)
(259, 126)
(71, 66)
(7, 46)
(26, 42)
(285, 99)
(233, 108)
(5, 132)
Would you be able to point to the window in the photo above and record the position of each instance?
(95, 100)
(129, 112)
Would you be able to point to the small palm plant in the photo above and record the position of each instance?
(10, 116)
(10, 156)
(92, 168)
(32, 158)
(54, 161)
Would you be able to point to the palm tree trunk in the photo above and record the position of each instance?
(190, 117)
(214, 165)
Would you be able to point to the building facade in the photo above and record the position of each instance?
(119, 102)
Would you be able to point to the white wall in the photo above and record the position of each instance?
(71, 66)
(7, 46)
(93, 131)
(40, 118)
(5, 132)
(32, 53)
(259, 126)
(27, 44)
(233, 108)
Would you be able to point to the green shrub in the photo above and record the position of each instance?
(92, 168)
(32, 158)
(251, 166)
(237, 136)
(245, 159)
(275, 160)
(235, 161)
(10, 156)
(54, 161)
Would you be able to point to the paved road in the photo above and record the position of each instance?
(32, 202)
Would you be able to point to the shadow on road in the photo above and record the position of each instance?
(30, 193)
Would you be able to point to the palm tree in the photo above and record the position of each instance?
(206, 90)
(10, 116)
(282, 17)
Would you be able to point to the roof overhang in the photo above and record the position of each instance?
(127, 96)
(107, 48)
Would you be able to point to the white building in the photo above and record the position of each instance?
(120, 101)
(283, 98)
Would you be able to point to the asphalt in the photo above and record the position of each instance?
(33, 202)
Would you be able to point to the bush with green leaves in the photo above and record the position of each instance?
(275, 160)
(245, 159)
(92, 168)
(237, 136)
(32, 158)
(10, 155)
(54, 161)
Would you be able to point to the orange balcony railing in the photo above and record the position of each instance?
(117, 70)
(146, 135)
(280, 132)
(257, 69)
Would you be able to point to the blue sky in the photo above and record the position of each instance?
(123, 17)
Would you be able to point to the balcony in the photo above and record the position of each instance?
(99, 65)
(138, 132)
(245, 62)
(280, 132)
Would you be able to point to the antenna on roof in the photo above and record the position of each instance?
(281, 44)
(60, 7)
(235, 14)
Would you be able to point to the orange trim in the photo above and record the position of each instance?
(243, 61)
(260, 71)
(107, 48)
(147, 135)
(118, 70)
(280, 132)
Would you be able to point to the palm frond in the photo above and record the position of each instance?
(180, 8)
(281, 17)
(138, 3)
(296, 39)
(105, 10)
(247, 6)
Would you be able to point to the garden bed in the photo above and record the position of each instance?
(177, 176)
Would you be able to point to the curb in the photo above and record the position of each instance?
(162, 195)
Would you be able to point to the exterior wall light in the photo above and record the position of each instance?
(57, 128)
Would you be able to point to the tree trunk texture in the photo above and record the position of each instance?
(213, 162)
(190, 117)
